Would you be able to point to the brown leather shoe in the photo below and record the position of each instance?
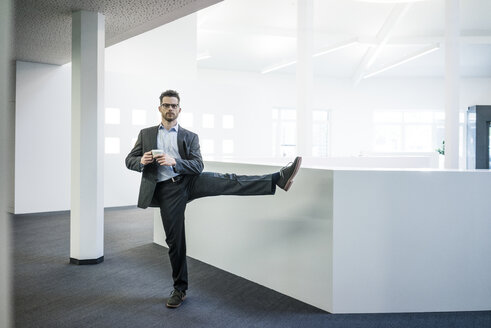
(287, 174)
(176, 298)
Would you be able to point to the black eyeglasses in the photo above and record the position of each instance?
(167, 106)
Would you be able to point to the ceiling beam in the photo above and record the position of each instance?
(395, 16)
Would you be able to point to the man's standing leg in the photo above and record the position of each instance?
(172, 199)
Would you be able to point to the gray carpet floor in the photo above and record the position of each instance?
(130, 287)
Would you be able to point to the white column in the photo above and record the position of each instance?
(305, 76)
(7, 153)
(452, 76)
(87, 206)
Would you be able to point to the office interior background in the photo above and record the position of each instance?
(376, 98)
(235, 68)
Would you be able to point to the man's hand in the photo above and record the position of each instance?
(165, 159)
(147, 158)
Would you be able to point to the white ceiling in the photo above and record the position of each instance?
(253, 35)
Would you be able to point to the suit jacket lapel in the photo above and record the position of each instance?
(153, 137)
(180, 142)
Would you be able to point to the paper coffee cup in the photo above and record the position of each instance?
(157, 152)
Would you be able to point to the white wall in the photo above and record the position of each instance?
(289, 235)
(42, 147)
(415, 241)
(43, 119)
(139, 69)
(42, 177)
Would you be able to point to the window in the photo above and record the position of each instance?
(320, 133)
(284, 132)
(284, 129)
(415, 131)
(112, 115)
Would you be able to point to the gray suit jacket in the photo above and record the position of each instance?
(189, 163)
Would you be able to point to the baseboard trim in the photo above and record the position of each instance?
(86, 262)
(67, 212)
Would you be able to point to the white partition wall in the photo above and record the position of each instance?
(283, 241)
(411, 241)
(354, 241)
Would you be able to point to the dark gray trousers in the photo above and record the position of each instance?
(173, 197)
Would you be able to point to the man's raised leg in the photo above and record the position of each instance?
(215, 184)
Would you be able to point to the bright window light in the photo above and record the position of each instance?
(284, 132)
(207, 146)
(112, 145)
(274, 114)
(388, 138)
(133, 142)
(387, 117)
(418, 117)
(139, 117)
(208, 121)
(288, 114)
(112, 116)
(228, 121)
(320, 115)
(228, 146)
(411, 131)
(418, 138)
(186, 120)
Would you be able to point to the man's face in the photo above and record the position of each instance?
(169, 108)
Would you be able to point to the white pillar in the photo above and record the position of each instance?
(452, 76)
(87, 206)
(7, 153)
(305, 75)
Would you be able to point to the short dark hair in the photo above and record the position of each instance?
(170, 93)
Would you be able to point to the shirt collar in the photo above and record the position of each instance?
(174, 128)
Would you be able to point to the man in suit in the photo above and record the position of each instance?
(172, 176)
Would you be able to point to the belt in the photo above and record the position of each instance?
(175, 179)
